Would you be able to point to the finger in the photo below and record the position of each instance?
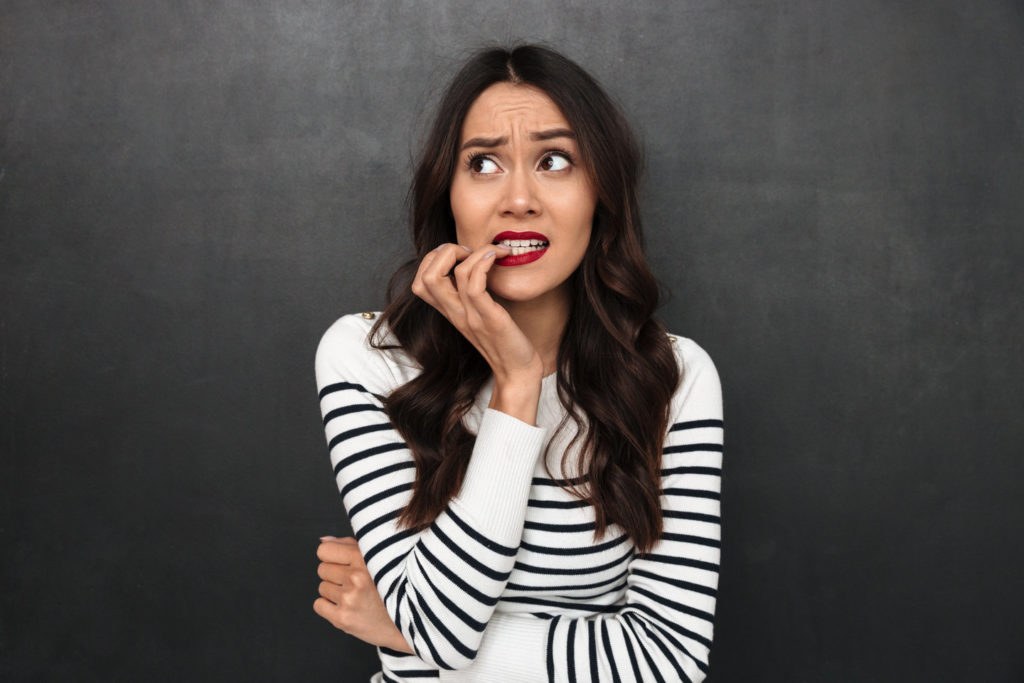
(464, 270)
(332, 592)
(439, 286)
(347, 540)
(418, 287)
(443, 260)
(482, 312)
(339, 553)
(446, 258)
(329, 611)
(335, 573)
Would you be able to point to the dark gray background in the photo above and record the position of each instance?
(191, 192)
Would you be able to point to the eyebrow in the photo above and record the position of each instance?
(537, 136)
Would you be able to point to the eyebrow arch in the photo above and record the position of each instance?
(537, 136)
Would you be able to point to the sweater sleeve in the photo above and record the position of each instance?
(441, 585)
(663, 631)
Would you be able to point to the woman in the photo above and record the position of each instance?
(530, 463)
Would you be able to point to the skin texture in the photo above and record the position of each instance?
(518, 171)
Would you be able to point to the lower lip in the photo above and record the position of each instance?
(521, 259)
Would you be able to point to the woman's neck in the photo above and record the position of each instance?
(543, 321)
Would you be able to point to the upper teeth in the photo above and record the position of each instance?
(523, 246)
(521, 243)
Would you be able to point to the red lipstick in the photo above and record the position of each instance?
(520, 259)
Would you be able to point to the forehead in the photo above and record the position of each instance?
(503, 107)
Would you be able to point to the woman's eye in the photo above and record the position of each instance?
(483, 165)
(555, 161)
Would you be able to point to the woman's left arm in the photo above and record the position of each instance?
(664, 629)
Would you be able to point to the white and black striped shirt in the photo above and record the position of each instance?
(508, 583)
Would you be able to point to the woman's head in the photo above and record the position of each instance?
(554, 88)
(613, 354)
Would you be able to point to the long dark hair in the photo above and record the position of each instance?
(616, 368)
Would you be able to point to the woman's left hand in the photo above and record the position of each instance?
(348, 598)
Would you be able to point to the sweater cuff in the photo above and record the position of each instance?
(496, 487)
(513, 650)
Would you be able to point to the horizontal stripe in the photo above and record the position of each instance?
(542, 481)
(383, 471)
(557, 504)
(692, 493)
(678, 583)
(695, 424)
(348, 410)
(466, 557)
(692, 635)
(377, 497)
(574, 571)
(369, 452)
(593, 596)
(454, 578)
(693, 448)
(386, 543)
(710, 471)
(581, 550)
(673, 605)
(561, 528)
(565, 587)
(679, 561)
(358, 431)
(687, 538)
(469, 621)
(370, 526)
(480, 538)
(692, 516)
(416, 673)
(343, 386)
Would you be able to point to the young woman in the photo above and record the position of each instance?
(530, 463)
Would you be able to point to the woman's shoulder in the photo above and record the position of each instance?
(349, 351)
(700, 390)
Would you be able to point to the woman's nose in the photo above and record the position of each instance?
(520, 195)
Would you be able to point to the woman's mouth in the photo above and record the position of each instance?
(526, 247)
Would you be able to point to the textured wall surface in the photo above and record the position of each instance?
(190, 192)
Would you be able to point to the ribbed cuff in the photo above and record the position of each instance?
(514, 650)
(496, 488)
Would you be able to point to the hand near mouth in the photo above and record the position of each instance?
(463, 299)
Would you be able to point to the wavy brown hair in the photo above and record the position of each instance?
(616, 368)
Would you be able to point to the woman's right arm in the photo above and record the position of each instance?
(439, 586)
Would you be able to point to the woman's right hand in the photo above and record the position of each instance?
(463, 299)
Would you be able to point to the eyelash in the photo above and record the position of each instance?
(474, 156)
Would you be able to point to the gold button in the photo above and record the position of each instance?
(369, 316)
(671, 338)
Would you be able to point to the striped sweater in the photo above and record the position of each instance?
(508, 583)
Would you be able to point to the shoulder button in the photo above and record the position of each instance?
(369, 316)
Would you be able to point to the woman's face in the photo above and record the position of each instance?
(518, 181)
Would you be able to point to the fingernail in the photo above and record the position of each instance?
(466, 248)
(439, 247)
(326, 538)
(490, 254)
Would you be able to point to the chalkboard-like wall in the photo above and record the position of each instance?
(190, 193)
